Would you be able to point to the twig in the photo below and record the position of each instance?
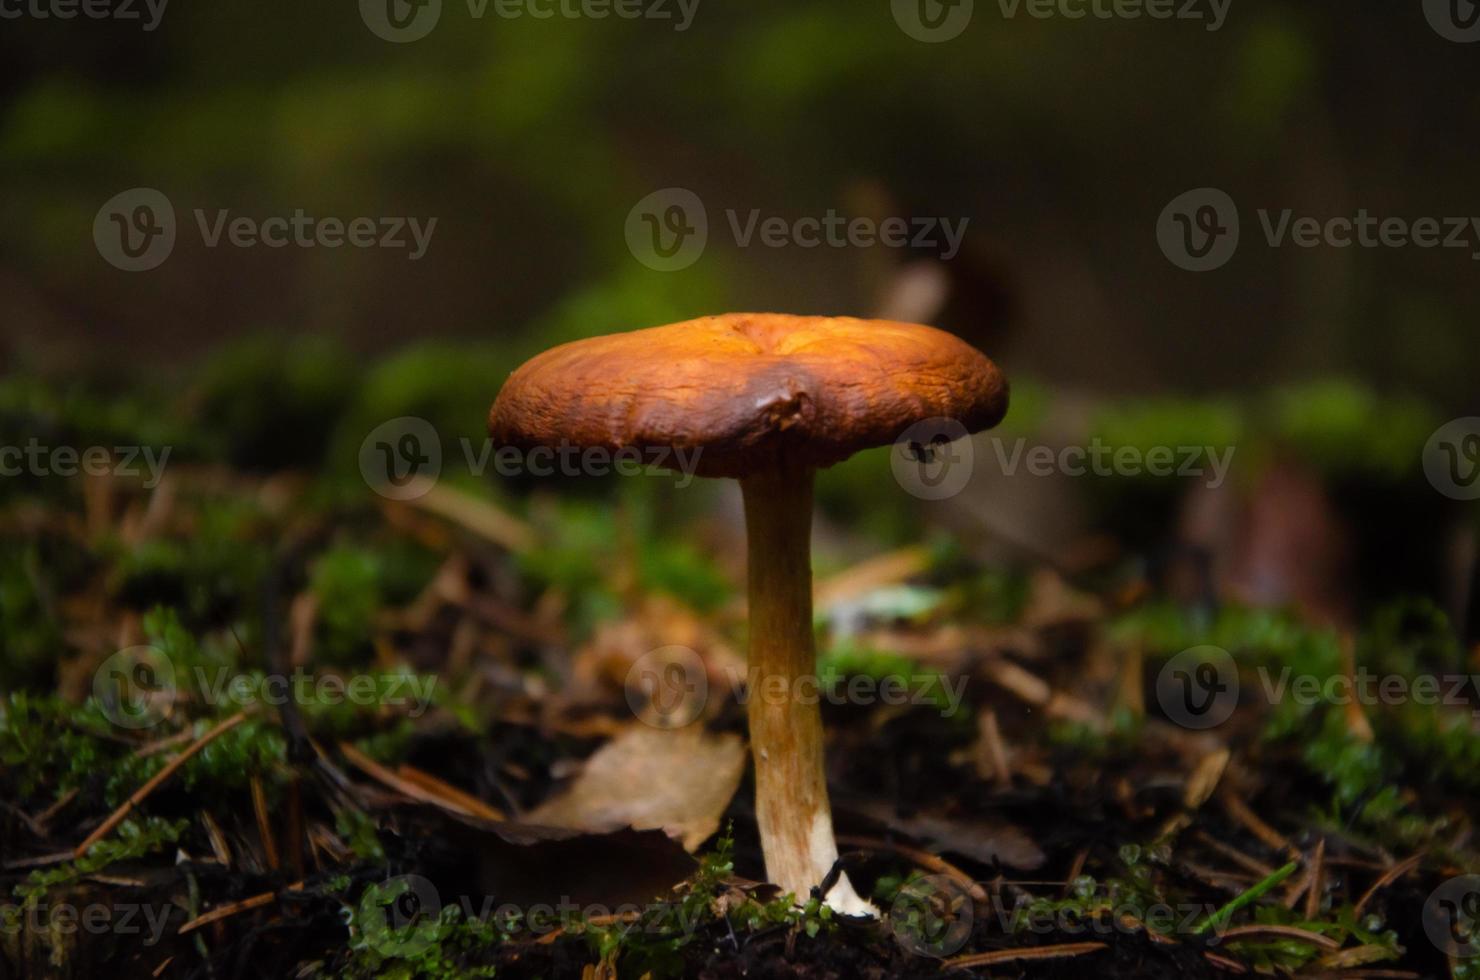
(227, 911)
(117, 817)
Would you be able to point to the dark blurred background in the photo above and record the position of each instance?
(530, 140)
(1059, 142)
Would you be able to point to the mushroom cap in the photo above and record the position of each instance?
(749, 390)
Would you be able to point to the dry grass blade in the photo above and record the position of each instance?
(480, 516)
(1354, 957)
(1257, 933)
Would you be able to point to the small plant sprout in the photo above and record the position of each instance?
(766, 399)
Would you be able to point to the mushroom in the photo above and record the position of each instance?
(766, 399)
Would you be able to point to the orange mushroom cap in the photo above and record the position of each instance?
(749, 390)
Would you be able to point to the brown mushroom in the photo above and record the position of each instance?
(766, 399)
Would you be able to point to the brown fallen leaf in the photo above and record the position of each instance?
(678, 781)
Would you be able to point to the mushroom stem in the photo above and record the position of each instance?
(785, 715)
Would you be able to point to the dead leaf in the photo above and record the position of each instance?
(679, 781)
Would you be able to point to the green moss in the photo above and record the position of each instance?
(30, 635)
(923, 686)
(133, 839)
(440, 946)
(347, 581)
(210, 575)
(272, 403)
(1171, 422)
(1346, 429)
